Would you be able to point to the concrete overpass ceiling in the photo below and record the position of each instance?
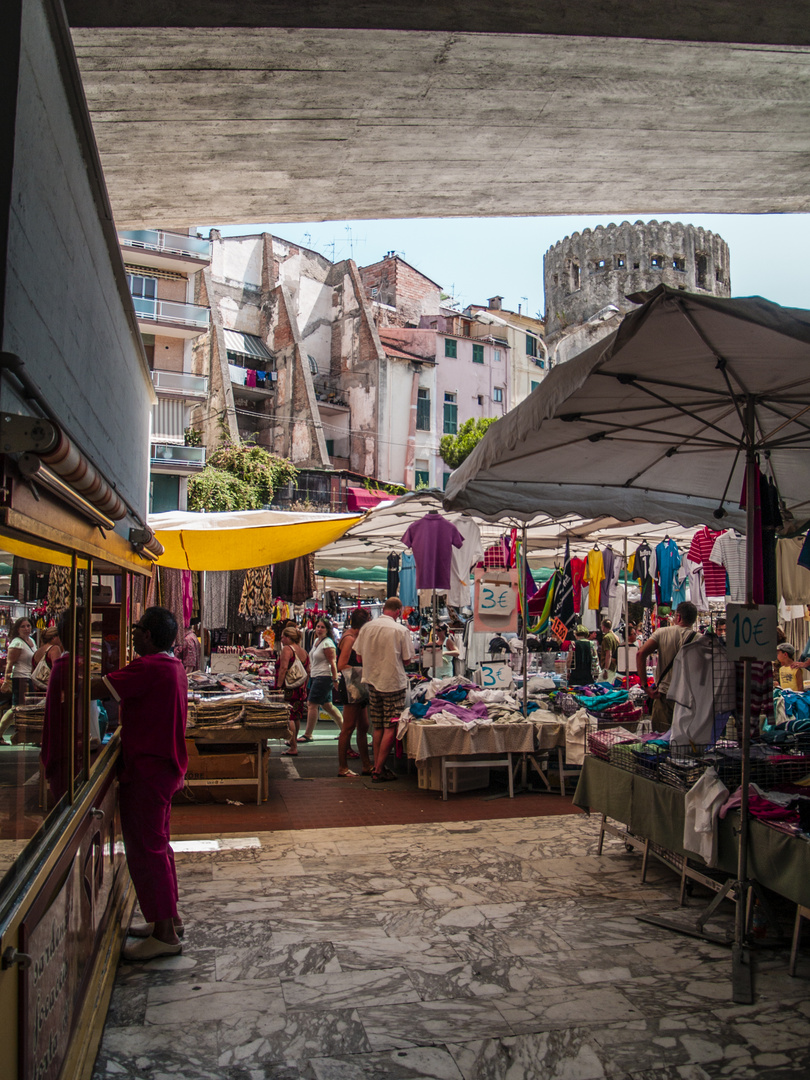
(204, 121)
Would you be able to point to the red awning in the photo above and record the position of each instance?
(359, 499)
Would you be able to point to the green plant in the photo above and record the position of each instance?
(193, 436)
(454, 449)
(239, 476)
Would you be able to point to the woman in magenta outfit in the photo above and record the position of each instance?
(153, 693)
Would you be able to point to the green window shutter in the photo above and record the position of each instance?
(422, 478)
(531, 345)
(535, 384)
(445, 478)
(478, 354)
(450, 347)
(423, 409)
(450, 418)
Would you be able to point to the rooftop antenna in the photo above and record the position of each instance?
(527, 303)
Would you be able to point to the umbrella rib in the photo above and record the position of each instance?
(679, 408)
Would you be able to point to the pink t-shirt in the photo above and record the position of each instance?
(432, 539)
(153, 692)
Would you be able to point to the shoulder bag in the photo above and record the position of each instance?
(296, 675)
(41, 674)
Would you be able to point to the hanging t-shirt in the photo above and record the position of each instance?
(392, 577)
(700, 551)
(463, 559)
(729, 551)
(577, 571)
(432, 539)
(643, 570)
(609, 581)
(407, 580)
(594, 576)
(667, 562)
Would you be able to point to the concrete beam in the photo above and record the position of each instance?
(778, 22)
(238, 125)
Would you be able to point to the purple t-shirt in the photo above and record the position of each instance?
(432, 539)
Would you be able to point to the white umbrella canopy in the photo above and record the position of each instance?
(651, 422)
(381, 530)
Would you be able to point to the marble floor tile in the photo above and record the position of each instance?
(548, 1055)
(191, 1002)
(539, 1010)
(291, 1038)
(350, 989)
(431, 1022)
(249, 963)
(419, 1063)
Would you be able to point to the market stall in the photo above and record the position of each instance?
(692, 401)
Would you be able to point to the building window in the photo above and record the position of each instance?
(600, 266)
(540, 363)
(478, 354)
(421, 478)
(535, 384)
(497, 394)
(330, 447)
(445, 478)
(701, 269)
(450, 347)
(423, 409)
(480, 399)
(531, 345)
(574, 276)
(313, 365)
(679, 264)
(621, 262)
(142, 287)
(657, 262)
(450, 414)
(498, 355)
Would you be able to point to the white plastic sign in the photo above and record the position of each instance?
(496, 676)
(496, 598)
(751, 632)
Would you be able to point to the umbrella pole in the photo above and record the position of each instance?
(626, 620)
(523, 571)
(742, 989)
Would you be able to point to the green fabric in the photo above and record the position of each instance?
(656, 811)
(369, 573)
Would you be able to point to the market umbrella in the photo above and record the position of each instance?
(660, 420)
(244, 539)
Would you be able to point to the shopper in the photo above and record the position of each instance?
(19, 661)
(667, 643)
(790, 674)
(50, 650)
(323, 675)
(384, 647)
(295, 696)
(190, 652)
(355, 709)
(583, 659)
(609, 650)
(153, 693)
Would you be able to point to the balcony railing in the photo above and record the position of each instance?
(180, 384)
(172, 312)
(167, 243)
(177, 454)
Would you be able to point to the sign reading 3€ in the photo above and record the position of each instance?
(496, 606)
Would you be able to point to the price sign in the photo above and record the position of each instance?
(751, 632)
(559, 629)
(496, 676)
(496, 598)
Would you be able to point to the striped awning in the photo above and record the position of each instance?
(246, 345)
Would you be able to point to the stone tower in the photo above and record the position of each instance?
(591, 274)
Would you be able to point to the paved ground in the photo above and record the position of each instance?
(478, 950)
(306, 793)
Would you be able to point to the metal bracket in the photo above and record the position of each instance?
(96, 813)
(11, 956)
(21, 434)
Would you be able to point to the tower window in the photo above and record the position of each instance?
(575, 275)
(600, 265)
(701, 269)
(657, 262)
(621, 262)
(679, 264)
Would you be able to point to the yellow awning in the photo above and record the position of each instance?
(238, 541)
(35, 553)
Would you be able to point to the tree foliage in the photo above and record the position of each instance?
(453, 449)
(239, 476)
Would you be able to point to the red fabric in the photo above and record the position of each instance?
(577, 571)
(145, 825)
(153, 691)
(700, 549)
(359, 499)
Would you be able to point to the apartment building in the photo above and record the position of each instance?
(523, 335)
(162, 268)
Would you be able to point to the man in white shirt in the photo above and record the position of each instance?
(384, 647)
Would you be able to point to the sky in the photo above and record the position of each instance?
(476, 258)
